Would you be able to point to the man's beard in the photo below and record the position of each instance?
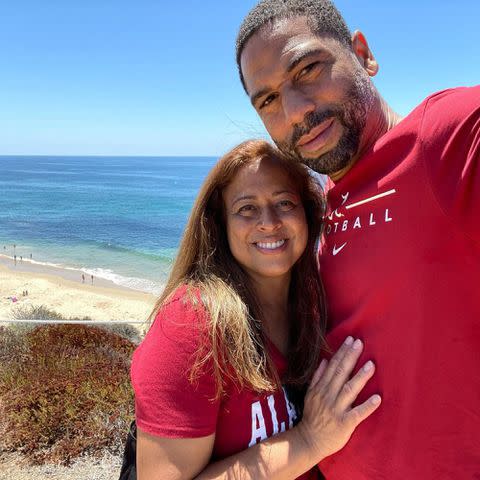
(352, 115)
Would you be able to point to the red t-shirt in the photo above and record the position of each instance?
(167, 404)
(401, 265)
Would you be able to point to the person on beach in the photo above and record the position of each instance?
(400, 256)
(238, 335)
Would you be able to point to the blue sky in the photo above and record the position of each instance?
(158, 78)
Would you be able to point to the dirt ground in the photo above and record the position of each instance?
(106, 468)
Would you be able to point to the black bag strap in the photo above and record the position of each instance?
(129, 463)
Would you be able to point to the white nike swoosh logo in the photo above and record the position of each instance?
(336, 250)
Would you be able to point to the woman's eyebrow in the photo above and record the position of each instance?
(243, 197)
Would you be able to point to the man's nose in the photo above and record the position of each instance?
(269, 219)
(296, 105)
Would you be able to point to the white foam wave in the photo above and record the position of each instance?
(35, 262)
(47, 264)
(134, 283)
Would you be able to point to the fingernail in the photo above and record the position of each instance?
(357, 344)
(376, 399)
(349, 340)
(368, 366)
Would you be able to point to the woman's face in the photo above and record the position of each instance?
(266, 226)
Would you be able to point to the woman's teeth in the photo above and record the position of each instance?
(271, 246)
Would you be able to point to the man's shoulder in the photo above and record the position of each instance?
(472, 92)
(444, 111)
(452, 102)
(437, 114)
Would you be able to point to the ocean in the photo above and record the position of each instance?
(118, 218)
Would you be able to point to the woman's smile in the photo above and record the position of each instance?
(266, 226)
(272, 246)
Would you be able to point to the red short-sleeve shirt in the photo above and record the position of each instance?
(169, 405)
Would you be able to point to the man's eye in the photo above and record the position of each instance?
(307, 69)
(268, 101)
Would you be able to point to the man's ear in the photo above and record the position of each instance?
(363, 53)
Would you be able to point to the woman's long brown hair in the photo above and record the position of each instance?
(204, 262)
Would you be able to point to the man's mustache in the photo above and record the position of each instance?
(310, 121)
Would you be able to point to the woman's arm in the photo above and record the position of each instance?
(328, 422)
(171, 458)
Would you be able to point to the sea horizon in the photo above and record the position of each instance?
(119, 218)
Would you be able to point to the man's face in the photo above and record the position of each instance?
(311, 93)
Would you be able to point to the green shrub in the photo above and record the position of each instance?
(64, 391)
(124, 330)
(37, 312)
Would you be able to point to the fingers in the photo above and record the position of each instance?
(358, 414)
(342, 364)
(336, 359)
(354, 386)
(328, 411)
(318, 373)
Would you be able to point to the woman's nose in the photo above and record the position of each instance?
(269, 219)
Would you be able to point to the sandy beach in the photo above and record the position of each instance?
(62, 290)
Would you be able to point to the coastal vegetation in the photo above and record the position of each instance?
(64, 389)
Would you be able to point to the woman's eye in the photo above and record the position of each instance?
(286, 205)
(247, 210)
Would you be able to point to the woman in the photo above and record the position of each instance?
(243, 314)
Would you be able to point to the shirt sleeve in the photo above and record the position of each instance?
(451, 151)
(167, 403)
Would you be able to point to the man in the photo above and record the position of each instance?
(400, 256)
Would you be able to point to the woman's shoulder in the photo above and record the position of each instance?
(161, 371)
(185, 299)
(179, 330)
(182, 315)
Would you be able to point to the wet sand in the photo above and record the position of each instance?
(62, 290)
